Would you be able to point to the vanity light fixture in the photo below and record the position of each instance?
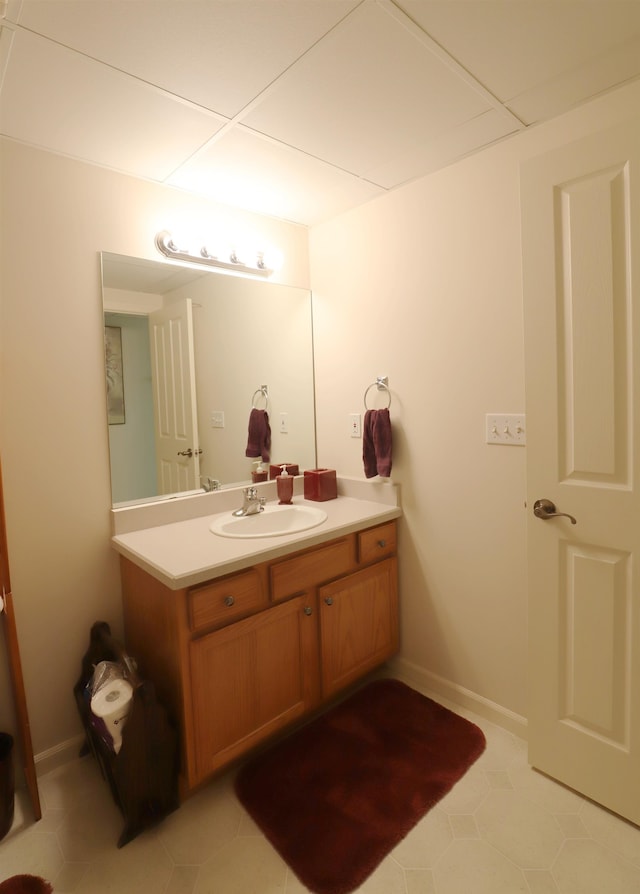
(232, 261)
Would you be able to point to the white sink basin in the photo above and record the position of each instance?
(273, 521)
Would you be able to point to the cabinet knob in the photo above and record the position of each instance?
(329, 600)
(308, 610)
(382, 543)
(229, 600)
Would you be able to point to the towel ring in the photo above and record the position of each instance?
(262, 391)
(382, 384)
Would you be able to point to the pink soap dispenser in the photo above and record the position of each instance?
(284, 486)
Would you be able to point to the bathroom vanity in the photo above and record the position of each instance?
(244, 637)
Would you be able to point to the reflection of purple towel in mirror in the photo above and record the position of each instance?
(376, 443)
(259, 440)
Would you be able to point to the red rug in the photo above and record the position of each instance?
(338, 795)
(25, 884)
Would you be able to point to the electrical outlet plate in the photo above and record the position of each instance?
(284, 423)
(506, 429)
(355, 425)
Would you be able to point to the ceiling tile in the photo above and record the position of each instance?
(579, 84)
(216, 53)
(444, 149)
(140, 275)
(512, 46)
(67, 103)
(244, 169)
(366, 94)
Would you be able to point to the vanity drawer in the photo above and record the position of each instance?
(226, 600)
(312, 568)
(377, 543)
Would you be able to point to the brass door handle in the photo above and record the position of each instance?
(188, 452)
(545, 509)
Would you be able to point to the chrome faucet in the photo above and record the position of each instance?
(252, 502)
(209, 484)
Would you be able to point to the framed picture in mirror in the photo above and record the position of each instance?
(115, 381)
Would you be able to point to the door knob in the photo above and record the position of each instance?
(188, 452)
(546, 509)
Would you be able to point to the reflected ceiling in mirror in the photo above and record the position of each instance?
(187, 353)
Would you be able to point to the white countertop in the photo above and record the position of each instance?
(185, 552)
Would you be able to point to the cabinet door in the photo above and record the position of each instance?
(358, 624)
(249, 680)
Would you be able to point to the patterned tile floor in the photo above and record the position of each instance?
(503, 829)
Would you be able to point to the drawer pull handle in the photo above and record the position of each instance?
(329, 600)
(308, 610)
(382, 543)
(229, 600)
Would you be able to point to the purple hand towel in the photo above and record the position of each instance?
(376, 443)
(368, 445)
(259, 440)
(382, 441)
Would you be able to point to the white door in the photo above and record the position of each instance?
(174, 398)
(581, 257)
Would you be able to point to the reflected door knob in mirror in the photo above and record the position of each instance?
(188, 452)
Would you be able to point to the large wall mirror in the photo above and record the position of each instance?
(189, 354)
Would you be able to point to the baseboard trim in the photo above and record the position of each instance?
(432, 684)
(58, 756)
(439, 687)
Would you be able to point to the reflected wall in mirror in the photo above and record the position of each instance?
(197, 347)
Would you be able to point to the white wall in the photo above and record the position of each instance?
(56, 216)
(424, 285)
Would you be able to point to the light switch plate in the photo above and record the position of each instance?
(506, 429)
(217, 418)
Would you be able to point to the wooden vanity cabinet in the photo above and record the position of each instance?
(358, 624)
(250, 680)
(241, 657)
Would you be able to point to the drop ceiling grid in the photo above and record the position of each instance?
(86, 110)
(317, 106)
(219, 55)
(273, 177)
(612, 68)
(513, 48)
(445, 148)
(376, 89)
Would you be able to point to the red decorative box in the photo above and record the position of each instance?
(320, 484)
(276, 469)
